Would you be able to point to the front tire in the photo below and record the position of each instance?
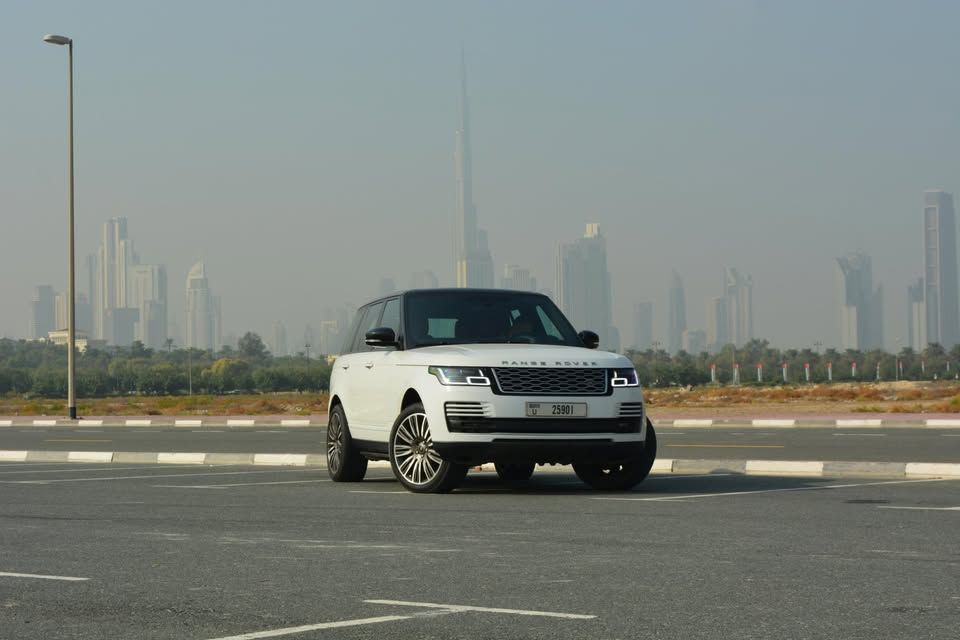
(344, 462)
(413, 459)
(622, 476)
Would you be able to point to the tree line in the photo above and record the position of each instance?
(39, 368)
(656, 367)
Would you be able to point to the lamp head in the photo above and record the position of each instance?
(52, 39)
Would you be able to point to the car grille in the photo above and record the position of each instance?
(535, 381)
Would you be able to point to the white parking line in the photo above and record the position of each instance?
(460, 607)
(155, 475)
(875, 435)
(8, 574)
(924, 508)
(679, 498)
(236, 484)
(274, 633)
(399, 493)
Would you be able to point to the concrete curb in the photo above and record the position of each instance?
(321, 421)
(804, 468)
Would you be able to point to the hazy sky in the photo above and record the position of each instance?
(305, 149)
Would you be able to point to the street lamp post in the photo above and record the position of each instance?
(72, 306)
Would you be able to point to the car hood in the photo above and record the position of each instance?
(512, 355)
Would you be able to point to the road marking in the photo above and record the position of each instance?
(728, 446)
(158, 476)
(187, 458)
(63, 469)
(874, 435)
(871, 422)
(399, 493)
(784, 490)
(295, 423)
(270, 431)
(138, 423)
(943, 423)
(237, 484)
(187, 423)
(281, 459)
(696, 475)
(692, 423)
(13, 456)
(287, 631)
(924, 508)
(459, 607)
(90, 456)
(76, 440)
(44, 423)
(8, 574)
(93, 423)
(932, 469)
(950, 435)
(774, 423)
(6, 423)
(89, 430)
(240, 423)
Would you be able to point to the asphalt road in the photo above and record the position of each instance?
(220, 552)
(861, 445)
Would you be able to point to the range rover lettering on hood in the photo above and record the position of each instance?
(558, 363)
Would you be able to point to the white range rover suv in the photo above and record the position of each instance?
(439, 380)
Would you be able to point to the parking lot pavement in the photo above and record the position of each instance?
(108, 551)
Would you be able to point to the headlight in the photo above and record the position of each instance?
(470, 376)
(624, 378)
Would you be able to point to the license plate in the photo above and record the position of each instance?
(556, 409)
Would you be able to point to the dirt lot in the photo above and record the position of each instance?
(838, 398)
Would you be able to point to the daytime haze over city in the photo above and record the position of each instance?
(306, 155)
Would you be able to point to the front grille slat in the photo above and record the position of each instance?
(631, 409)
(551, 381)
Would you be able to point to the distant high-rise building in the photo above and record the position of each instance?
(43, 312)
(738, 296)
(279, 340)
(583, 282)
(148, 295)
(115, 257)
(474, 265)
(940, 269)
(916, 318)
(861, 306)
(642, 326)
(424, 280)
(203, 311)
(718, 325)
(517, 278)
(387, 286)
(677, 314)
(121, 325)
(694, 341)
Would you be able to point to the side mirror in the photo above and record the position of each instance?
(381, 337)
(589, 339)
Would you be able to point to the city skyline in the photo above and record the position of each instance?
(686, 168)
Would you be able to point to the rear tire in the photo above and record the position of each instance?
(622, 476)
(515, 474)
(344, 462)
(413, 459)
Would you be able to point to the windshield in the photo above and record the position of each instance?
(433, 318)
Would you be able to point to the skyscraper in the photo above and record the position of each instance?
(474, 265)
(642, 326)
(279, 340)
(518, 278)
(677, 314)
(718, 324)
(916, 317)
(114, 258)
(583, 283)
(738, 296)
(940, 269)
(148, 295)
(203, 311)
(861, 306)
(43, 317)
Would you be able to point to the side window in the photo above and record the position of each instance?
(350, 339)
(391, 315)
(370, 321)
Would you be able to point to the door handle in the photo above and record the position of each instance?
(345, 366)
(369, 365)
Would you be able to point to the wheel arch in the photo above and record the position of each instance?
(410, 396)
